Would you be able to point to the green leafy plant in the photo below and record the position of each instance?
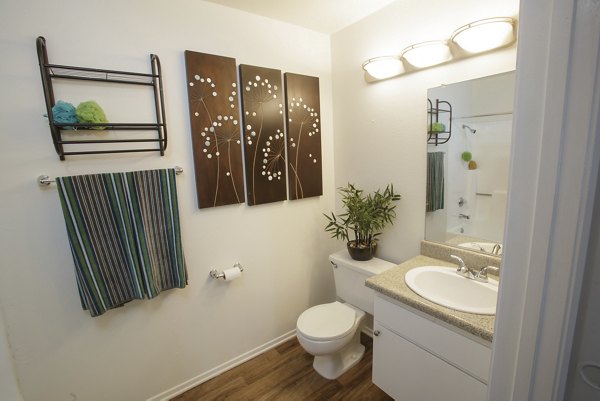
(365, 215)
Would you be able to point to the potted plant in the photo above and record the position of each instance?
(365, 217)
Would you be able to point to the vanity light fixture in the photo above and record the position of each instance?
(427, 54)
(383, 67)
(485, 34)
(476, 37)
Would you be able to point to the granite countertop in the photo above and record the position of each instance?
(391, 283)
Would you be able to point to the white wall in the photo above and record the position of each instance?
(138, 351)
(381, 127)
(9, 388)
(585, 342)
(551, 198)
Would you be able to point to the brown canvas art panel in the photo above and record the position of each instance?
(215, 122)
(303, 136)
(263, 134)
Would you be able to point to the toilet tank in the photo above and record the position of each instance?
(350, 276)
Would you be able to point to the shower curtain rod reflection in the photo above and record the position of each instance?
(508, 113)
(44, 180)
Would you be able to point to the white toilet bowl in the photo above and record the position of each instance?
(331, 332)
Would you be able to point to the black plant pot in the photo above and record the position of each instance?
(361, 253)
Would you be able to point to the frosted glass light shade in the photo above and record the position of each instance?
(383, 67)
(427, 54)
(485, 34)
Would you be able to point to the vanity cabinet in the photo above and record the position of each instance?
(416, 358)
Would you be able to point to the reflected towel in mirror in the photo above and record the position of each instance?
(435, 181)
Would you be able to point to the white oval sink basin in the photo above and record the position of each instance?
(445, 287)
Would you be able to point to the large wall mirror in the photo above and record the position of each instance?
(469, 136)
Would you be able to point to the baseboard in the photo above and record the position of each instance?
(201, 378)
(368, 331)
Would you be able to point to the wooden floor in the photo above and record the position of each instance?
(286, 373)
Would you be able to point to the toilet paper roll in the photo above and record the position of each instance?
(232, 273)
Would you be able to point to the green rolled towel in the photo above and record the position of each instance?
(91, 112)
(466, 156)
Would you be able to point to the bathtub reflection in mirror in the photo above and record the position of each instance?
(469, 136)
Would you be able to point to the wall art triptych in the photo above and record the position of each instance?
(304, 135)
(264, 139)
(220, 131)
(215, 122)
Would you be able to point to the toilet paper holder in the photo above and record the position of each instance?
(216, 274)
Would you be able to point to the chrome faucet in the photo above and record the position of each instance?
(497, 249)
(482, 275)
(463, 270)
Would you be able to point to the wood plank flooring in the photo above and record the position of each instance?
(286, 373)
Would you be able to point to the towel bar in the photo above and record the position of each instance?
(44, 180)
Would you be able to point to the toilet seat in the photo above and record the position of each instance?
(327, 322)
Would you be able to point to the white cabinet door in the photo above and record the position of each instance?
(408, 373)
(469, 356)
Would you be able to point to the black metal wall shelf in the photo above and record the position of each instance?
(49, 72)
(443, 110)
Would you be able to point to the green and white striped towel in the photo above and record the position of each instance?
(124, 234)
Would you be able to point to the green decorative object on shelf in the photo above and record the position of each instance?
(466, 156)
(91, 112)
(438, 127)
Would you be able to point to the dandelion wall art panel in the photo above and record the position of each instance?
(215, 122)
(263, 134)
(303, 135)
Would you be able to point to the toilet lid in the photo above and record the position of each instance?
(327, 321)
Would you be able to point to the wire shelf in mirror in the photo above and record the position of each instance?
(439, 124)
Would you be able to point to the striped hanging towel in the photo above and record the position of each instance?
(124, 233)
(435, 181)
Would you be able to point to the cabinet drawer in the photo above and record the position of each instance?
(406, 372)
(458, 350)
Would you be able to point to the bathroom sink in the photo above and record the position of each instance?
(481, 246)
(445, 287)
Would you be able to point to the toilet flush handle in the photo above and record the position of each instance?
(333, 264)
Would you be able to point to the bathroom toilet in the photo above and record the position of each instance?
(331, 332)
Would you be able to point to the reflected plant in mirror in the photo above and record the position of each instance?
(467, 176)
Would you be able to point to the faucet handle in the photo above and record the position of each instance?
(483, 273)
(461, 263)
(497, 249)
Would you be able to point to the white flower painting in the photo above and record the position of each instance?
(264, 139)
(304, 136)
(216, 128)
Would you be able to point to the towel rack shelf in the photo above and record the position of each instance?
(50, 72)
(440, 113)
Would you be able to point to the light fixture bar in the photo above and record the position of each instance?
(427, 54)
(383, 67)
(475, 37)
(485, 34)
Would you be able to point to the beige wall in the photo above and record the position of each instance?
(380, 127)
(136, 352)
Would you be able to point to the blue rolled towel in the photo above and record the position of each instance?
(64, 112)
